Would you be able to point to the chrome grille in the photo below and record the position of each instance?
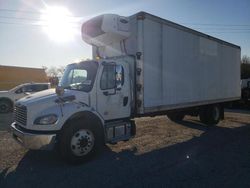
(20, 114)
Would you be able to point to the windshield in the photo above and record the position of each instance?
(79, 76)
(15, 88)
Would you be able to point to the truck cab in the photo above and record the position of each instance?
(99, 84)
(92, 106)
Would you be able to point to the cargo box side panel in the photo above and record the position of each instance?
(181, 68)
(167, 56)
(230, 72)
(152, 64)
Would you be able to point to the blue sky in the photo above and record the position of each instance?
(24, 44)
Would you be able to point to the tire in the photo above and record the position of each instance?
(176, 117)
(210, 115)
(80, 141)
(5, 106)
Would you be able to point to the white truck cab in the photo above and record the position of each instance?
(142, 66)
(96, 94)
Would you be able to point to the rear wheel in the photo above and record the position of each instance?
(210, 115)
(80, 141)
(177, 116)
(5, 106)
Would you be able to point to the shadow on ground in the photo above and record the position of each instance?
(5, 121)
(220, 157)
(240, 108)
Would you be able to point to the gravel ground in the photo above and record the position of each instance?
(163, 154)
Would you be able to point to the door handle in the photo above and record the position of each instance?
(125, 101)
(106, 93)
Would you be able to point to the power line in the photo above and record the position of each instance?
(206, 29)
(32, 19)
(36, 19)
(217, 24)
(45, 25)
(32, 12)
(226, 32)
(18, 18)
(213, 28)
(23, 11)
(223, 29)
(40, 20)
(185, 23)
(30, 24)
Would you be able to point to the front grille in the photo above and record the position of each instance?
(20, 114)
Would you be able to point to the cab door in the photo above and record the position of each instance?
(113, 90)
(19, 93)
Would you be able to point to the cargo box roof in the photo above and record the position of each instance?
(142, 15)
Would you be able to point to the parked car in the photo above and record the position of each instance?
(7, 98)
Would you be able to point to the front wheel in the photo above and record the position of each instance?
(5, 106)
(80, 141)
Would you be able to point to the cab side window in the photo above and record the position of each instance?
(28, 88)
(108, 77)
(19, 91)
(112, 77)
(39, 87)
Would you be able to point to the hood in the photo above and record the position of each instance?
(47, 97)
(45, 102)
(39, 96)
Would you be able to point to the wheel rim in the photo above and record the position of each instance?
(82, 142)
(216, 113)
(3, 107)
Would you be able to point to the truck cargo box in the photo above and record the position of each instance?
(180, 67)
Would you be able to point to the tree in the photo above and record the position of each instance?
(60, 70)
(45, 68)
(245, 67)
(52, 72)
(245, 59)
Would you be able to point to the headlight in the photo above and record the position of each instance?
(46, 120)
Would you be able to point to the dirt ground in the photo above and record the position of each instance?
(163, 154)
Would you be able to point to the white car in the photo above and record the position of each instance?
(8, 98)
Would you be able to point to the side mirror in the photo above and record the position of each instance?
(59, 90)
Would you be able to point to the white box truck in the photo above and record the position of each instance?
(142, 65)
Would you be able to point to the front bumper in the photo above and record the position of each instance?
(33, 141)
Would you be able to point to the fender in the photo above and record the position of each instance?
(93, 117)
(66, 112)
(90, 115)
